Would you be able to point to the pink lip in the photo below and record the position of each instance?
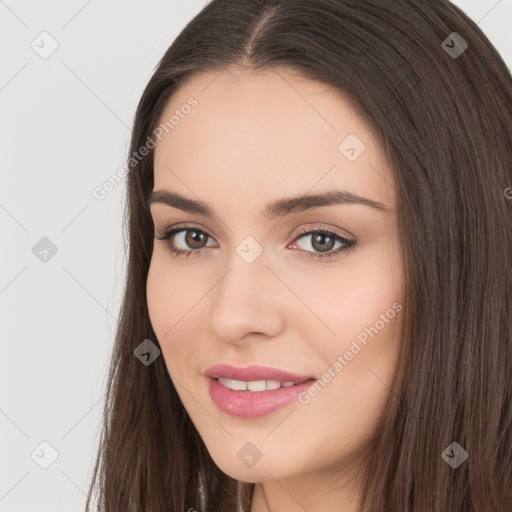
(253, 372)
(250, 404)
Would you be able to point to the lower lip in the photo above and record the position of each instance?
(252, 404)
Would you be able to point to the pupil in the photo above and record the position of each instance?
(195, 238)
(322, 246)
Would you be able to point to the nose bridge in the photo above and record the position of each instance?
(247, 279)
(245, 298)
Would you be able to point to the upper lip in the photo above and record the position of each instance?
(252, 373)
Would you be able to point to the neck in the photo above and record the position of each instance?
(312, 492)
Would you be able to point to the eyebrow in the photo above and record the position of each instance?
(278, 208)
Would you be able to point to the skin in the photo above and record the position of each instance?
(255, 137)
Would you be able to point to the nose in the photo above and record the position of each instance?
(248, 300)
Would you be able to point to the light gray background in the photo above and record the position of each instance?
(65, 130)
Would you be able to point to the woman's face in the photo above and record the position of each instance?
(305, 286)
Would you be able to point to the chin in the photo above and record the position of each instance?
(262, 470)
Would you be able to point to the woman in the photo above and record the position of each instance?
(317, 313)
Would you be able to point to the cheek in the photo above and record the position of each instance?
(171, 292)
(360, 359)
(363, 292)
(170, 297)
(363, 307)
(176, 297)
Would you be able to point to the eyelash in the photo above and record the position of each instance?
(303, 232)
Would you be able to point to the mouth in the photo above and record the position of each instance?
(254, 391)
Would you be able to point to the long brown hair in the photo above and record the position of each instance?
(442, 111)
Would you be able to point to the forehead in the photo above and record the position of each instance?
(270, 133)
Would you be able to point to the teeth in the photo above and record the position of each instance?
(272, 384)
(257, 385)
(254, 385)
(237, 385)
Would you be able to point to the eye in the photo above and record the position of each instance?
(189, 236)
(191, 241)
(321, 243)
